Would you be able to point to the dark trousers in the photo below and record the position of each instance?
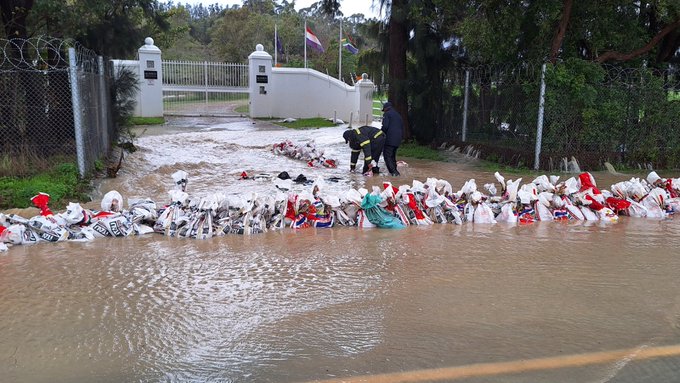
(376, 152)
(390, 155)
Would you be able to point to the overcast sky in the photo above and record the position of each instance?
(348, 7)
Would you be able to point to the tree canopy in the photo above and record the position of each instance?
(418, 47)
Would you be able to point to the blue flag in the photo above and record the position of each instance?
(279, 45)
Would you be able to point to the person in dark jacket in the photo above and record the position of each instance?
(393, 127)
(368, 139)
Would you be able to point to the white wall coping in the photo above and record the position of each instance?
(125, 62)
(313, 73)
(148, 47)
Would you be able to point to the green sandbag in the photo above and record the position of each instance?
(377, 215)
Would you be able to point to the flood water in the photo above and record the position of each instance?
(548, 302)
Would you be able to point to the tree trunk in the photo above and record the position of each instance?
(618, 56)
(397, 61)
(561, 30)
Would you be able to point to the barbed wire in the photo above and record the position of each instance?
(44, 53)
(515, 73)
(509, 73)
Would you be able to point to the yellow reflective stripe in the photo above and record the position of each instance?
(365, 143)
(357, 130)
(356, 151)
(353, 163)
(368, 158)
(377, 134)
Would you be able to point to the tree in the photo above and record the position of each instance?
(14, 15)
(238, 31)
(398, 45)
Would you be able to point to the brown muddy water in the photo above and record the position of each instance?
(549, 302)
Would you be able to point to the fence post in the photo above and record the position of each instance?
(77, 112)
(205, 64)
(103, 105)
(465, 104)
(539, 124)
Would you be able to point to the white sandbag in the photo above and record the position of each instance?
(543, 206)
(354, 196)
(543, 184)
(181, 179)
(444, 188)
(571, 186)
(674, 204)
(142, 211)
(543, 213)
(589, 214)
(607, 215)
(469, 187)
(636, 209)
(112, 201)
(653, 209)
(507, 213)
(75, 215)
(116, 226)
(491, 188)
(575, 212)
(469, 212)
(655, 203)
(178, 196)
(500, 179)
(454, 216)
(141, 229)
(18, 234)
(434, 199)
(362, 221)
(512, 189)
(652, 178)
(47, 229)
(401, 214)
(483, 214)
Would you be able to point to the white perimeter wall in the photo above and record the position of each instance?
(288, 92)
(306, 93)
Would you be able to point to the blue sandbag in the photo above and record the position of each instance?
(377, 215)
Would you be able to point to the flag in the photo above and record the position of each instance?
(347, 45)
(279, 45)
(313, 41)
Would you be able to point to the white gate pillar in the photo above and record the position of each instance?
(365, 100)
(150, 80)
(260, 81)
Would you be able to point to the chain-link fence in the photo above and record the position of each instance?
(42, 82)
(593, 113)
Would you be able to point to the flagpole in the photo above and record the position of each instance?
(340, 52)
(276, 46)
(304, 36)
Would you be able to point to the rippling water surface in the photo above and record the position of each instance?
(324, 304)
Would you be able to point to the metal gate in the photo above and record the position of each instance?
(194, 88)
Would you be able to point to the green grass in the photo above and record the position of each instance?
(493, 167)
(377, 103)
(62, 183)
(307, 123)
(243, 109)
(414, 150)
(148, 120)
(673, 96)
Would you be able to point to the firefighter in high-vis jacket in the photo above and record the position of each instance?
(368, 139)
